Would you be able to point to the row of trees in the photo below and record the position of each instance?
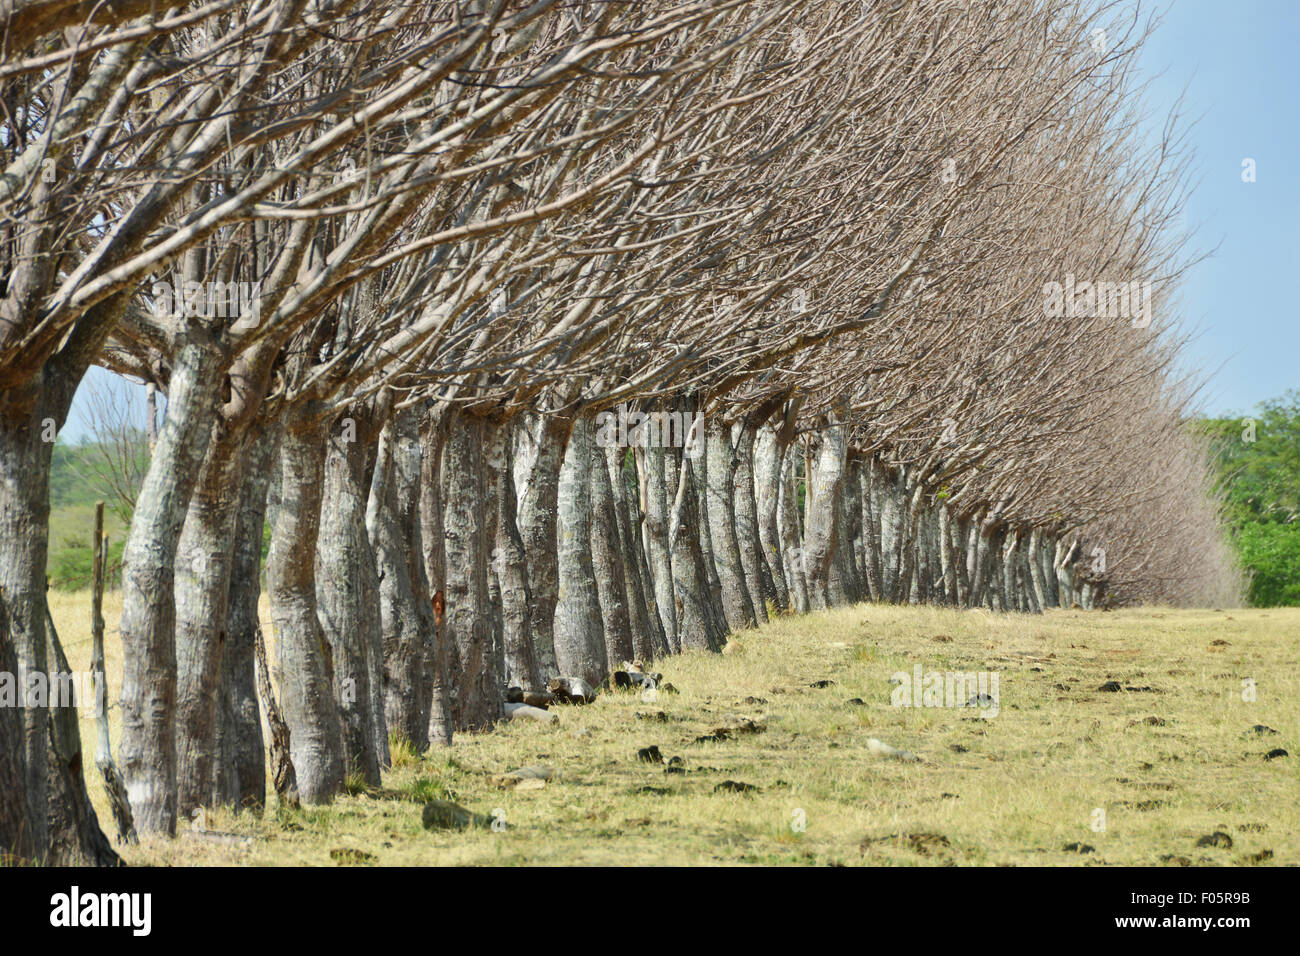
(395, 266)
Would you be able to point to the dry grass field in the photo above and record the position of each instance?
(1129, 777)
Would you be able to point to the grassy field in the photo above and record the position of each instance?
(1138, 776)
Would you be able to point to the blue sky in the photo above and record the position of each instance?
(1238, 64)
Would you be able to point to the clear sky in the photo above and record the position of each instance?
(1237, 64)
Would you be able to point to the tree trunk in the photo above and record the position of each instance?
(510, 566)
(75, 836)
(871, 530)
(648, 641)
(478, 676)
(607, 563)
(242, 779)
(658, 504)
(24, 543)
(737, 600)
(695, 621)
(769, 455)
(405, 611)
(745, 519)
(347, 594)
(438, 667)
(204, 558)
(304, 659)
(791, 541)
(579, 631)
(821, 536)
(148, 629)
(538, 507)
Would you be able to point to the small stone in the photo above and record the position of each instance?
(857, 702)
(1275, 753)
(1111, 687)
(1261, 730)
(821, 684)
(1079, 848)
(649, 755)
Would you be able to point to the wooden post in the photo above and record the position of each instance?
(103, 748)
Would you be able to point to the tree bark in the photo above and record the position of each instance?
(769, 455)
(822, 531)
(478, 675)
(657, 505)
(538, 507)
(607, 562)
(648, 641)
(304, 659)
(745, 519)
(242, 777)
(148, 628)
(737, 601)
(579, 631)
(695, 624)
(510, 566)
(347, 593)
(792, 551)
(204, 558)
(405, 611)
(438, 667)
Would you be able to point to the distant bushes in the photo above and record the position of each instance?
(1258, 457)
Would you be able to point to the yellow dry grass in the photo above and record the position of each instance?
(1014, 789)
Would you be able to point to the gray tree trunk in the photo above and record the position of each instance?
(204, 561)
(658, 504)
(405, 610)
(737, 600)
(758, 580)
(821, 535)
(479, 673)
(24, 544)
(347, 594)
(438, 667)
(148, 746)
(510, 567)
(304, 659)
(579, 630)
(871, 553)
(648, 640)
(538, 507)
(696, 623)
(791, 540)
(947, 558)
(698, 485)
(607, 562)
(241, 779)
(769, 455)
